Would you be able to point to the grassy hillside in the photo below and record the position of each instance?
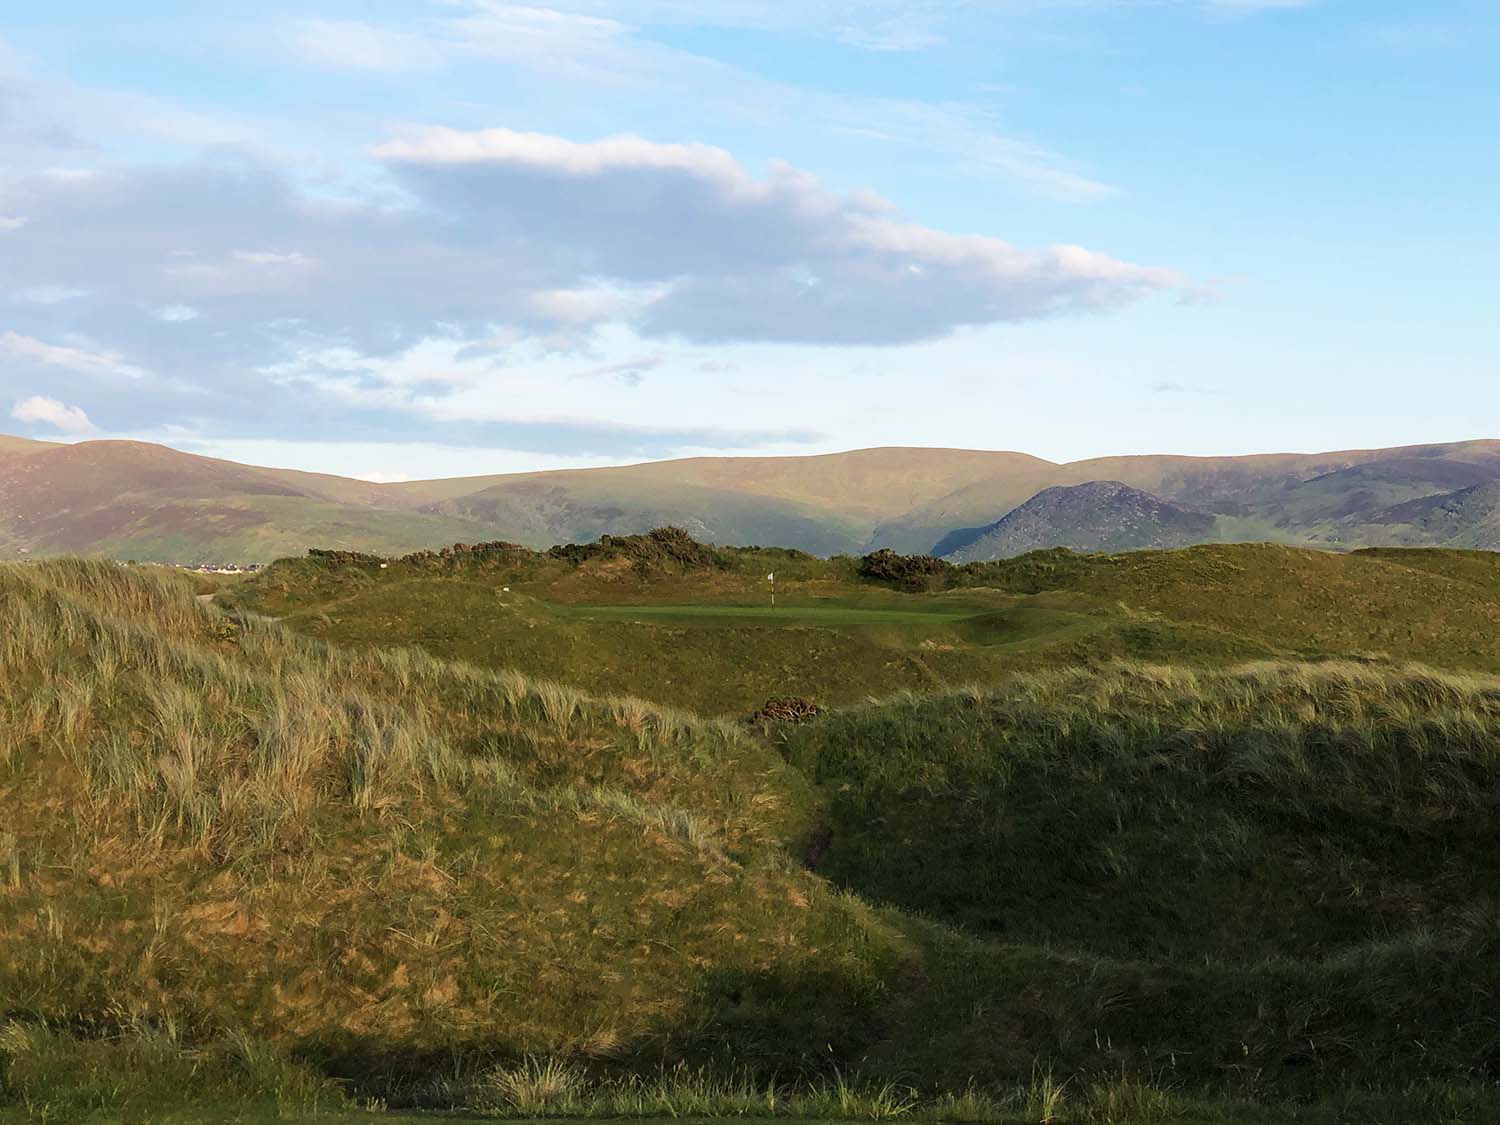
(864, 482)
(1270, 810)
(245, 807)
(15, 446)
(138, 501)
(1198, 896)
(1468, 517)
(133, 500)
(700, 633)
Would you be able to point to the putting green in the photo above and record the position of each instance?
(782, 615)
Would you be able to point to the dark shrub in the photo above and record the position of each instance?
(910, 572)
(660, 548)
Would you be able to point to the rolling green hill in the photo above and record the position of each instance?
(250, 872)
(132, 500)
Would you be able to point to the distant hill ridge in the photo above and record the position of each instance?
(149, 502)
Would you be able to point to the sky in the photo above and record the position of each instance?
(397, 240)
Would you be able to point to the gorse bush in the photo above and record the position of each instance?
(663, 547)
(909, 572)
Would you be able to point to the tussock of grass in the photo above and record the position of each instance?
(143, 1071)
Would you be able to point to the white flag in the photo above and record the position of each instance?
(770, 578)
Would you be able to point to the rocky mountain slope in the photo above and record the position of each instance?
(1098, 516)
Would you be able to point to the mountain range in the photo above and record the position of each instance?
(142, 501)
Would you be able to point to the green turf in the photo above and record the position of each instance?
(828, 613)
(704, 636)
(250, 863)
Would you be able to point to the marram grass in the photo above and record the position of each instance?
(241, 867)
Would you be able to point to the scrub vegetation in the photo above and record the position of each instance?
(1188, 852)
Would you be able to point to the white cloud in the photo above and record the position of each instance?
(43, 411)
(273, 258)
(13, 222)
(399, 461)
(177, 314)
(441, 145)
(378, 477)
(357, 45)
(721, 254)
(81, 360)
(48, 294)
(579, 306)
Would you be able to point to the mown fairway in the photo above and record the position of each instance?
(828, 613)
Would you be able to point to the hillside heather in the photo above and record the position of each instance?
(246, 868)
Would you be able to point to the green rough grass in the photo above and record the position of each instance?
(1092, 890)
(703, 637)
(1269, 810)
(377, 856)
(699, 634)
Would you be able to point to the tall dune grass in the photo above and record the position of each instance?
(1128, 888)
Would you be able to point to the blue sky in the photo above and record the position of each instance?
(401, 239)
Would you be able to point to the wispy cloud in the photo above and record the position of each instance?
(359, 45)
(631, 372)
(588, 47)
(19, 347)
(49, 294)
(273, 258)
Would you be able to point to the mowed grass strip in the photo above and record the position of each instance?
(781, 614)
